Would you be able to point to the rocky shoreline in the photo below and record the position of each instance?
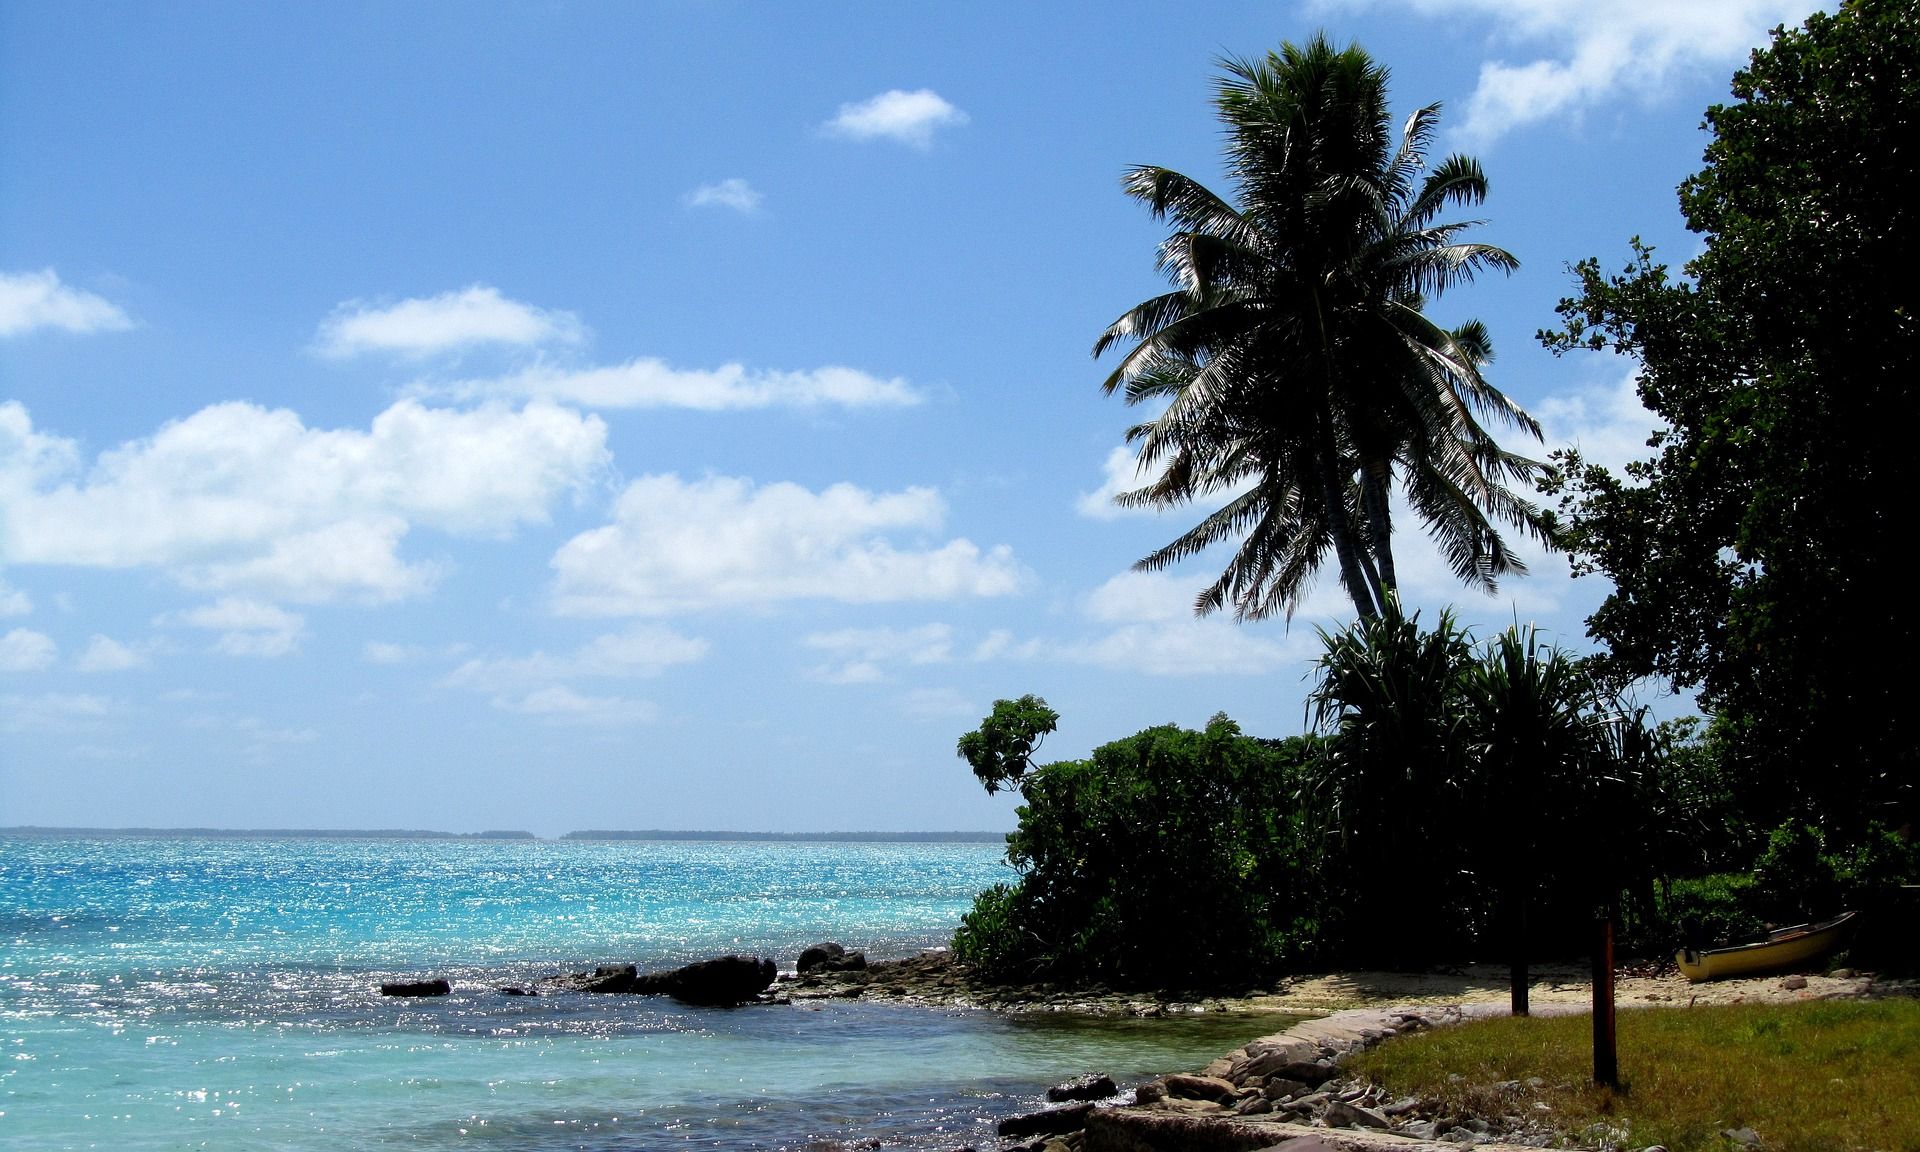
(1283, 1092)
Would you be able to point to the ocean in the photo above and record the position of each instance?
(168, 993)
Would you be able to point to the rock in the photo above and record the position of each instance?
(1743, 1136)
(720, 981)
(1202, 1088)
(1092, 1086)
(1794, 983)
(1152, 1092)
(1343, 1115)
(516, 990)
(1051, 1122)
(724, 980)
(1837, 974)
(829, 956)
(1421, 1130)
(416, 988)
(1281, 1088)
(1253, 1106)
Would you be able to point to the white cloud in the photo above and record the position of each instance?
(423, 326)
(651, 383)
(105, 654)
(33, 300)
(938, 704)
(733, 193)
(909, 117)
(1594, 50)
(51, 712)
(678, 546)
(1607, 422)
(1120, 472)
(564, 705)
(642, 650)
(1154, 631)
(246, 627)
(14, 602)
(238, 498)
(857, 654)
(24, 650)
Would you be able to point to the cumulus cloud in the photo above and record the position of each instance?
(245, 627)
(105, 654)
(639, 651)
(14, 602)
(652, 383)
(563, 705)
(1594, 50)
(857, 655)
(241, 499)
(909, 117)
(679, 546)
(423, 326)
(1152, 629)
(30, 301)
(733, 193)
(1120, 472)
(1606, 422)
(52, 712)
(24, 650)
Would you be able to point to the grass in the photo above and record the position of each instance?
(1829, 1076)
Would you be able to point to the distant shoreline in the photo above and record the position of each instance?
(31, 831)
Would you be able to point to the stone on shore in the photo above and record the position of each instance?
(416, 988)
(1050, 1122)
(829, 956)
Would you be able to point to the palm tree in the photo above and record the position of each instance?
(1299, 371)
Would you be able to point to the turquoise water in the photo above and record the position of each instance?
(184, 993)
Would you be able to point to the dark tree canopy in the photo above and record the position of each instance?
(1762, 553)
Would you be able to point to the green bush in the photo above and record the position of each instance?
(1723, 908)
(1169, 859)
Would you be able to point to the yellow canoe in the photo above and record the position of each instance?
(1783, 948)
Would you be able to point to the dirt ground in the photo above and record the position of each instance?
(1554, 985)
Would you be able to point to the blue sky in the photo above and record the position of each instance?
(564, 415)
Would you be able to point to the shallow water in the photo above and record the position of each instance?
(173, 993)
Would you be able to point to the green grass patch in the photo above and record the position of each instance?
(1831, 1076)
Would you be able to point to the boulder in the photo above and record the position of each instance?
(416, 988)
(724, 980)
(1051, 1122)
(720, 981)
(1092, 1086)
(829, 957)
(1202, 1088)
(1340, 1114)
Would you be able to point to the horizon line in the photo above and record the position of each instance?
(22, 831)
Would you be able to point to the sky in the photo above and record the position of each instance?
(681, 415)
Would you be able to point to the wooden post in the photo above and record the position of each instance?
(1606, 1062)
(1517, 975)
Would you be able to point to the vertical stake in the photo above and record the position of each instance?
(1606, 1063)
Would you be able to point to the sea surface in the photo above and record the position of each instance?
(173, 993)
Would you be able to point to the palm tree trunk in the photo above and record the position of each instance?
(1346, 543)
(1376, 482)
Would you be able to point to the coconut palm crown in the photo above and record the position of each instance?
(1300, 375)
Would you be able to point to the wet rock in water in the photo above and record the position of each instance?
(1092, 1086)
(724, 980)
(1051, 1122)
(721, 981)
(416, 988)
(516, 990)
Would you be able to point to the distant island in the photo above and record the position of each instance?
(30, 830)
(808, 837)
(271, 833)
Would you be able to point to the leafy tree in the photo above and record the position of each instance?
(1300, 374)
(1761, 554)
(1001, 750)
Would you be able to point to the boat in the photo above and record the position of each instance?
(1783, 948)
